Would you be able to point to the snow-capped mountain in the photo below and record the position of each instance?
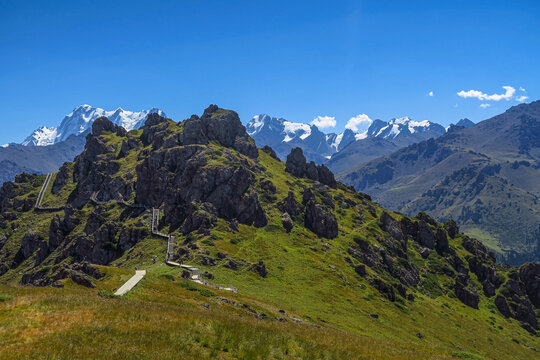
(282, 135)
(81, 119)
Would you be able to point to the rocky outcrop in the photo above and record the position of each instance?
(177, 177)
(267, 149)
(441, 241)
(529, 274)
(200, 217)
(520, 294)
(393, 227)
(94, 168)
(10, 190)
(320, 220)
(289, 205)
(452, 228)
(260, 268)
(287, 222)
(61, 179)
(465, 293)
(296, 165)
(33, 242)
(223, 126)
(425, 235)
(80, 273)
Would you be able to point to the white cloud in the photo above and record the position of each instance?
(522, 89)
(358, 123)
(324, 121)
(483, 106)
(509, 94)
(430, 93)
(522, 98)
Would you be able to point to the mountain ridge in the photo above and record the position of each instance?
(80, 120)
(267, 228)
(283, 135)
(502, 149)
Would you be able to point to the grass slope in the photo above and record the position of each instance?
(308, 277)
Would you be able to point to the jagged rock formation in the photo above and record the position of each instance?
(211, 187)
(296, 165)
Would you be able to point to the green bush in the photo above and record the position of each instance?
(187, 285)
(235, 241)
(208, 242)
(207, 293)
(5, 297)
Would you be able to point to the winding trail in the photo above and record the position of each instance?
(195, 272)
(130, 284)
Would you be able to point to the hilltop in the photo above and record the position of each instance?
(321, 270)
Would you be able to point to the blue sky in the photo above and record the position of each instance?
(292, 59)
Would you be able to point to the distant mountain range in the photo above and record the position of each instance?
(46, 149)
(16, 158)
(486, 177)
(283, 135)
(81, 119)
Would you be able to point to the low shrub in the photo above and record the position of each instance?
(5, 297)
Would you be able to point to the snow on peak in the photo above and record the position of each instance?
(337, 141)
(81, 119)
(279, 129)
(293, 129)
(41, 137)
(361, 136)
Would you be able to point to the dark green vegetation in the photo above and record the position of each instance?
(486, 177)
(322, 271)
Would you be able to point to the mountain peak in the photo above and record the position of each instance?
(81, 119)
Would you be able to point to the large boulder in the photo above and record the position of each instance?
(289, 205)
(425, 235)
(529, 274)
(393, 227)
(296, 165)
(441, 241)
(31, 242)
(287, 222)
(320, 220)
(467, 295)
(452, 228)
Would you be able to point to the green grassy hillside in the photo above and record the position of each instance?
(375, 290)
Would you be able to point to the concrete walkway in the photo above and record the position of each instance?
(195, 272)
(42, 191)
(130, 284)
(41, 194)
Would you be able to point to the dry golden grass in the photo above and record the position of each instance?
(76, 323)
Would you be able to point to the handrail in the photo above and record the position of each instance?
(41, 194)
